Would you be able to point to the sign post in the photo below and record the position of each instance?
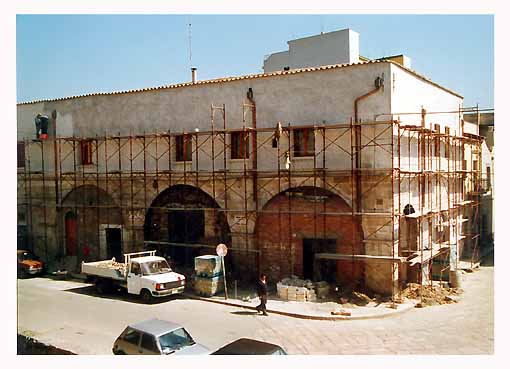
(221, 250)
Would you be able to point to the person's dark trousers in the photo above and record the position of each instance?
(262, 305)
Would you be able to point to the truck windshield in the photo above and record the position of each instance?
(155, 267)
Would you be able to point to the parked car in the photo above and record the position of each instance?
(28, 264)
(247, 346)
(157, 337)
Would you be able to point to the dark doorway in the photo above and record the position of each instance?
(22, 237)
(185, 227)
(114, 244)
(324, 270)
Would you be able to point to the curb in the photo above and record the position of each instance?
(303, 316)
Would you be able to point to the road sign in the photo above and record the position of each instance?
(221, 250)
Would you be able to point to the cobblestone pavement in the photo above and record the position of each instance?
(70, 316)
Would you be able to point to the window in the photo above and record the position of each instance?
(86, 152)
(132, 336)
(21, 155)
(183, 148)
(148, 343)
(239, 145)
(135, 269)
(175, 340)
(304, 142)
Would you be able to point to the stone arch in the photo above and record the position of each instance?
(183, 222)
(300, 222)
(345, 191)
(85, 211)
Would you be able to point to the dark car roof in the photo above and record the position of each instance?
(247, 346)
(155, 327)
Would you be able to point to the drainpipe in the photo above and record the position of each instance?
(379, 83)
(249, 95)
(55, 173)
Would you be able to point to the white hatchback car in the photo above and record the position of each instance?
(157, 337)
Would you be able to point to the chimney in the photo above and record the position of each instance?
(193, 75)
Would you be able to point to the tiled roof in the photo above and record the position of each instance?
(249, 76)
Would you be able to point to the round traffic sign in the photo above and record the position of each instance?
(221, 250)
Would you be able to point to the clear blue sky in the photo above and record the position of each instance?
(64, 55)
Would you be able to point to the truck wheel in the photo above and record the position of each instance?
(100, 287)
(146, 296)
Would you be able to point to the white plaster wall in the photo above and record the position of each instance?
(26, 125)
(410, 93)
(301, 99)
(313, 98)
(470, 128)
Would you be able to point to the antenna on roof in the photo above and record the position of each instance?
(189, 45)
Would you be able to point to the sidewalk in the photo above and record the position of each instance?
(313, 310)
(320, 310)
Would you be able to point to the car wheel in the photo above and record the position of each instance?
(146, 296)
(118, 352)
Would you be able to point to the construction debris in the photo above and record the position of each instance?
(112, 264)
(341, 312)
(430, 295)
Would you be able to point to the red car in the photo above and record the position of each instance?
(29, 264)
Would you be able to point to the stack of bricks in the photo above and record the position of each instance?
(294, 289)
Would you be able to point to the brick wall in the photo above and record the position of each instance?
(280, 235)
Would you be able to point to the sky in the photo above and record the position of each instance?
(66, 55)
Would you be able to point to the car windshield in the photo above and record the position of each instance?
(175, 340)
(155, 267)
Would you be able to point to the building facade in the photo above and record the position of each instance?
(359, 174)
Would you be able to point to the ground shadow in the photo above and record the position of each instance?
(244, 313)
(30, 346)
(121, 295)
(488, 258)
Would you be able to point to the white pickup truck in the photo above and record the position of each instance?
(142, 273)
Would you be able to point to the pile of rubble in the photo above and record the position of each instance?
(431, 295)
(112, 264)
(296, 289)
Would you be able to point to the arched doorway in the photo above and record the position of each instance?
(298, 224)
(184, 222)
(88, 213)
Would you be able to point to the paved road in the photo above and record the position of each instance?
(68, 315)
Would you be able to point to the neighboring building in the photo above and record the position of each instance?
(338, 47)
(485, 123)
(317, 172)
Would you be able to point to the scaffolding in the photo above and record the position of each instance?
(389, 239)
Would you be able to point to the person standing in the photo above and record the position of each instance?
(262, 293)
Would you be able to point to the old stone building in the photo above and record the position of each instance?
(356, 173)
